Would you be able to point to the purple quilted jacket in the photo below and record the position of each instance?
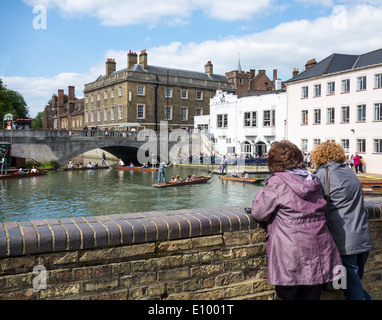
(300, 248)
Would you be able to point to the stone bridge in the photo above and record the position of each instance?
(62, 145)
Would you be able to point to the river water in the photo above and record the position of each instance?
(68, 194)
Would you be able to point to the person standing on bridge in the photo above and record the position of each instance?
(302, 254)
(161, 171)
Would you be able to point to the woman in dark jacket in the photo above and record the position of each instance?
(301, 252)
(345, 213)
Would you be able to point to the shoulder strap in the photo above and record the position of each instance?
(327, 189)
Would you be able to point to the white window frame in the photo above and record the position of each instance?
(105, 114)
(120, 111)
(119, 91)
(345, 143)
(168, 113)
(377, 145)
(184, 96)
(331, 88)
(317, 116)
(317, 90)
(222, 120)
(361, 83)
(304, 117)
(361, 145)
(199, 95)
(183, 117)
(330, 115)
(304, 92)
(143, 111)
(345, 87)
(140, 90)
(361, 113)
(251, 121)
(345, 114)
(377, 111)
(168, 93)
(378, 81)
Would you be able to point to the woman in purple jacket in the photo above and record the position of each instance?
(302, 255)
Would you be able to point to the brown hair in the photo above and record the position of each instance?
(328, 151)
(284, 155)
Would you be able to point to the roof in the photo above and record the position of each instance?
(138, 68)
(340, 62)
(251, 93)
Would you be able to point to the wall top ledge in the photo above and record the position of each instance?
(80, 233)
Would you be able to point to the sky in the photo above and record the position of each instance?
(47, 45)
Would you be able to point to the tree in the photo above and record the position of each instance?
(37, 121)
(12, 102)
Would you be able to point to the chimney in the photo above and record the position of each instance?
(310, 63)
(143, 59)
(110, 66)
(252, 73)
(71, 103)
(274, 75)
(209, 69)
(261, 71)
(132, 59)
(60, 105)
(295, 72)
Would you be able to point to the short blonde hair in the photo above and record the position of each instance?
(328, 151)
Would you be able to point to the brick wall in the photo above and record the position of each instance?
(199, 254)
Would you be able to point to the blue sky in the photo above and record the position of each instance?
(81, 34)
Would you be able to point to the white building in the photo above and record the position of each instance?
(246, 124)
(339, 99)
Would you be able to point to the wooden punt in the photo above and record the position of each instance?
(201, 179)
(19, 175)
(240, 179)
(372, 191)
(86, 168)
(135, 168)
(368, 183)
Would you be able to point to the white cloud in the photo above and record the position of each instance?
(172, 12)
(284, 47)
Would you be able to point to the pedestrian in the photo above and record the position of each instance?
(161, 171)
(361, 163)
(103, 159)
(302, 255)
(345, 214)
(357, 162)
(4, 165)
(224, 165)
(352, 162)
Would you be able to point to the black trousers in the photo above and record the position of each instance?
(299, 292)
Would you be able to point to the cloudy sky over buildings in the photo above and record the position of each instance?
(51, 44)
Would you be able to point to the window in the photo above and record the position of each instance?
(361, 113)
(105, 95)
(304, 144)
(316, 142)
(331, 88)
(269, 118)
(168, 113)
(378, 112)
(120, 91)
(361, 145)
(250, 119)
(199, 95)
(345, 114)
(330, 115)
(345, 144)
(378, 80)
(141, 90)
(222, 120)
(86, 99)
(112, 113)
(317, 116)
(199, 111)
(184, 94)
(304, 117)
(87, 116)
(168, 93)
(361, 83)
(112, 93)
(105, 114)
(92, 116)
(140, 111)
(120, 111)
(304, 92)
(92, 98)
(98, 96)
(345, 86)
(98, 114)
(184, 114)
(317, 90)
(377, 146)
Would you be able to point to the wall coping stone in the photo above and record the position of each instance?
(79, 233)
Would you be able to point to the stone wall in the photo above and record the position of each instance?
(199, 254)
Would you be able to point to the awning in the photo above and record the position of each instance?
(129, 124)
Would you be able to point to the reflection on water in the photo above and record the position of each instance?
(63, 194)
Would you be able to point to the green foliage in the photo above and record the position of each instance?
(12, 102)
(53, 164)
(37, 122)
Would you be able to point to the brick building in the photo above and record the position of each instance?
(250, 81)
(142, 95)
(64, 111)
